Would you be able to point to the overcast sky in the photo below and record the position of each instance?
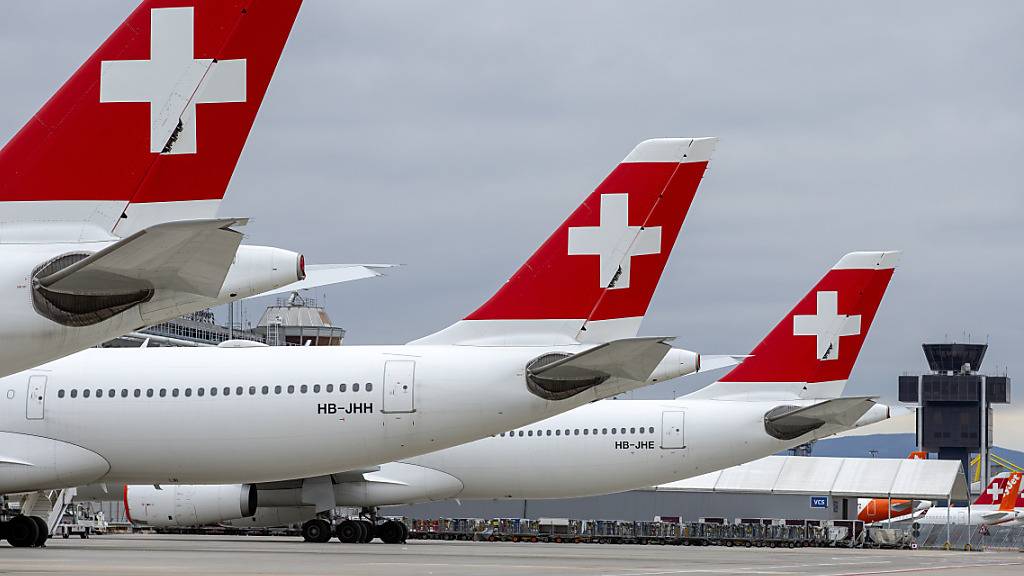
(453, 137)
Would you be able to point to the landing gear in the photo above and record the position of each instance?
(369, 531)
(22, 532)
(316, 530)
(392, 532)
(349, 531)
(44, 531)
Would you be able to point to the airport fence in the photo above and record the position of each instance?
(936, 536)
(770, 533)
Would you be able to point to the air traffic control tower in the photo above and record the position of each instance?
(954, 403)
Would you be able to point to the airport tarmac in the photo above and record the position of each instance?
(158, 554)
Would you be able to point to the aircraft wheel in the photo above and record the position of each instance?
(22, 532)
(316, 530)
(348, 531)
(391, 532)
(44, 531)
(369, 532)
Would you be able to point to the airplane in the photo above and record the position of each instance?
(786, 393)
(872, 510)
(984, 512)
(560, 333)
(109, 194)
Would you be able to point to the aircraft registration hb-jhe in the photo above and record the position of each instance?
(560, 333)
(785, 394)
(108, 194)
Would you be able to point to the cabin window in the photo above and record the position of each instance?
(60, 393)
(291, 389)
(200, 391)
(277, 389)
(369, 386)
(316, 388)
(303, 388)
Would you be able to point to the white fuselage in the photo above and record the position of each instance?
(637, 444)
(152, 416)
(975, 516)
(617, 445)
(30, 339)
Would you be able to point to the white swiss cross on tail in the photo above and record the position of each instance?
(172, 81)
(613, 240)
(996, 491)
(827, 325)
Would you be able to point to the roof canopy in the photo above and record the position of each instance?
(839, 477)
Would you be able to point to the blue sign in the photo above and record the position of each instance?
(819, 501)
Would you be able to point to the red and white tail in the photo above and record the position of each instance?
(150, 127)
(992, 495)
(593, 279)
(812, 351)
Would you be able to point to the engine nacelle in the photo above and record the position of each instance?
(258, 269)
(676, 363)
(189, 505)
(29, 463)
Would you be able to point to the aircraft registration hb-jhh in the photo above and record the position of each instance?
(108, 194)
(559, 334)
(785, 394)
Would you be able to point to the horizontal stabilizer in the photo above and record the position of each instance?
(318, 275)
(710, 363)
(630, 358)
(788, 422)
(191, 256)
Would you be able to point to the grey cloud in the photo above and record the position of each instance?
(454, 136)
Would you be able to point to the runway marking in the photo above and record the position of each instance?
(929, 568)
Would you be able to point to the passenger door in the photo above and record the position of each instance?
(399, 386)
(673, 427)
(36, 398)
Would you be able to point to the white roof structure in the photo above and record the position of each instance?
(838, 477)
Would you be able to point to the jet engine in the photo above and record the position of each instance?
(258, 269)
(189, 505)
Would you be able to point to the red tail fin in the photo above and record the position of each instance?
(593, 279)
(812, 351)
(156, 117)
(993, 493)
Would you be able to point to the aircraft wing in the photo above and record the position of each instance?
(190, 256)
(840, 411)
(326, 274)
(997, 515)
(630, 358)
